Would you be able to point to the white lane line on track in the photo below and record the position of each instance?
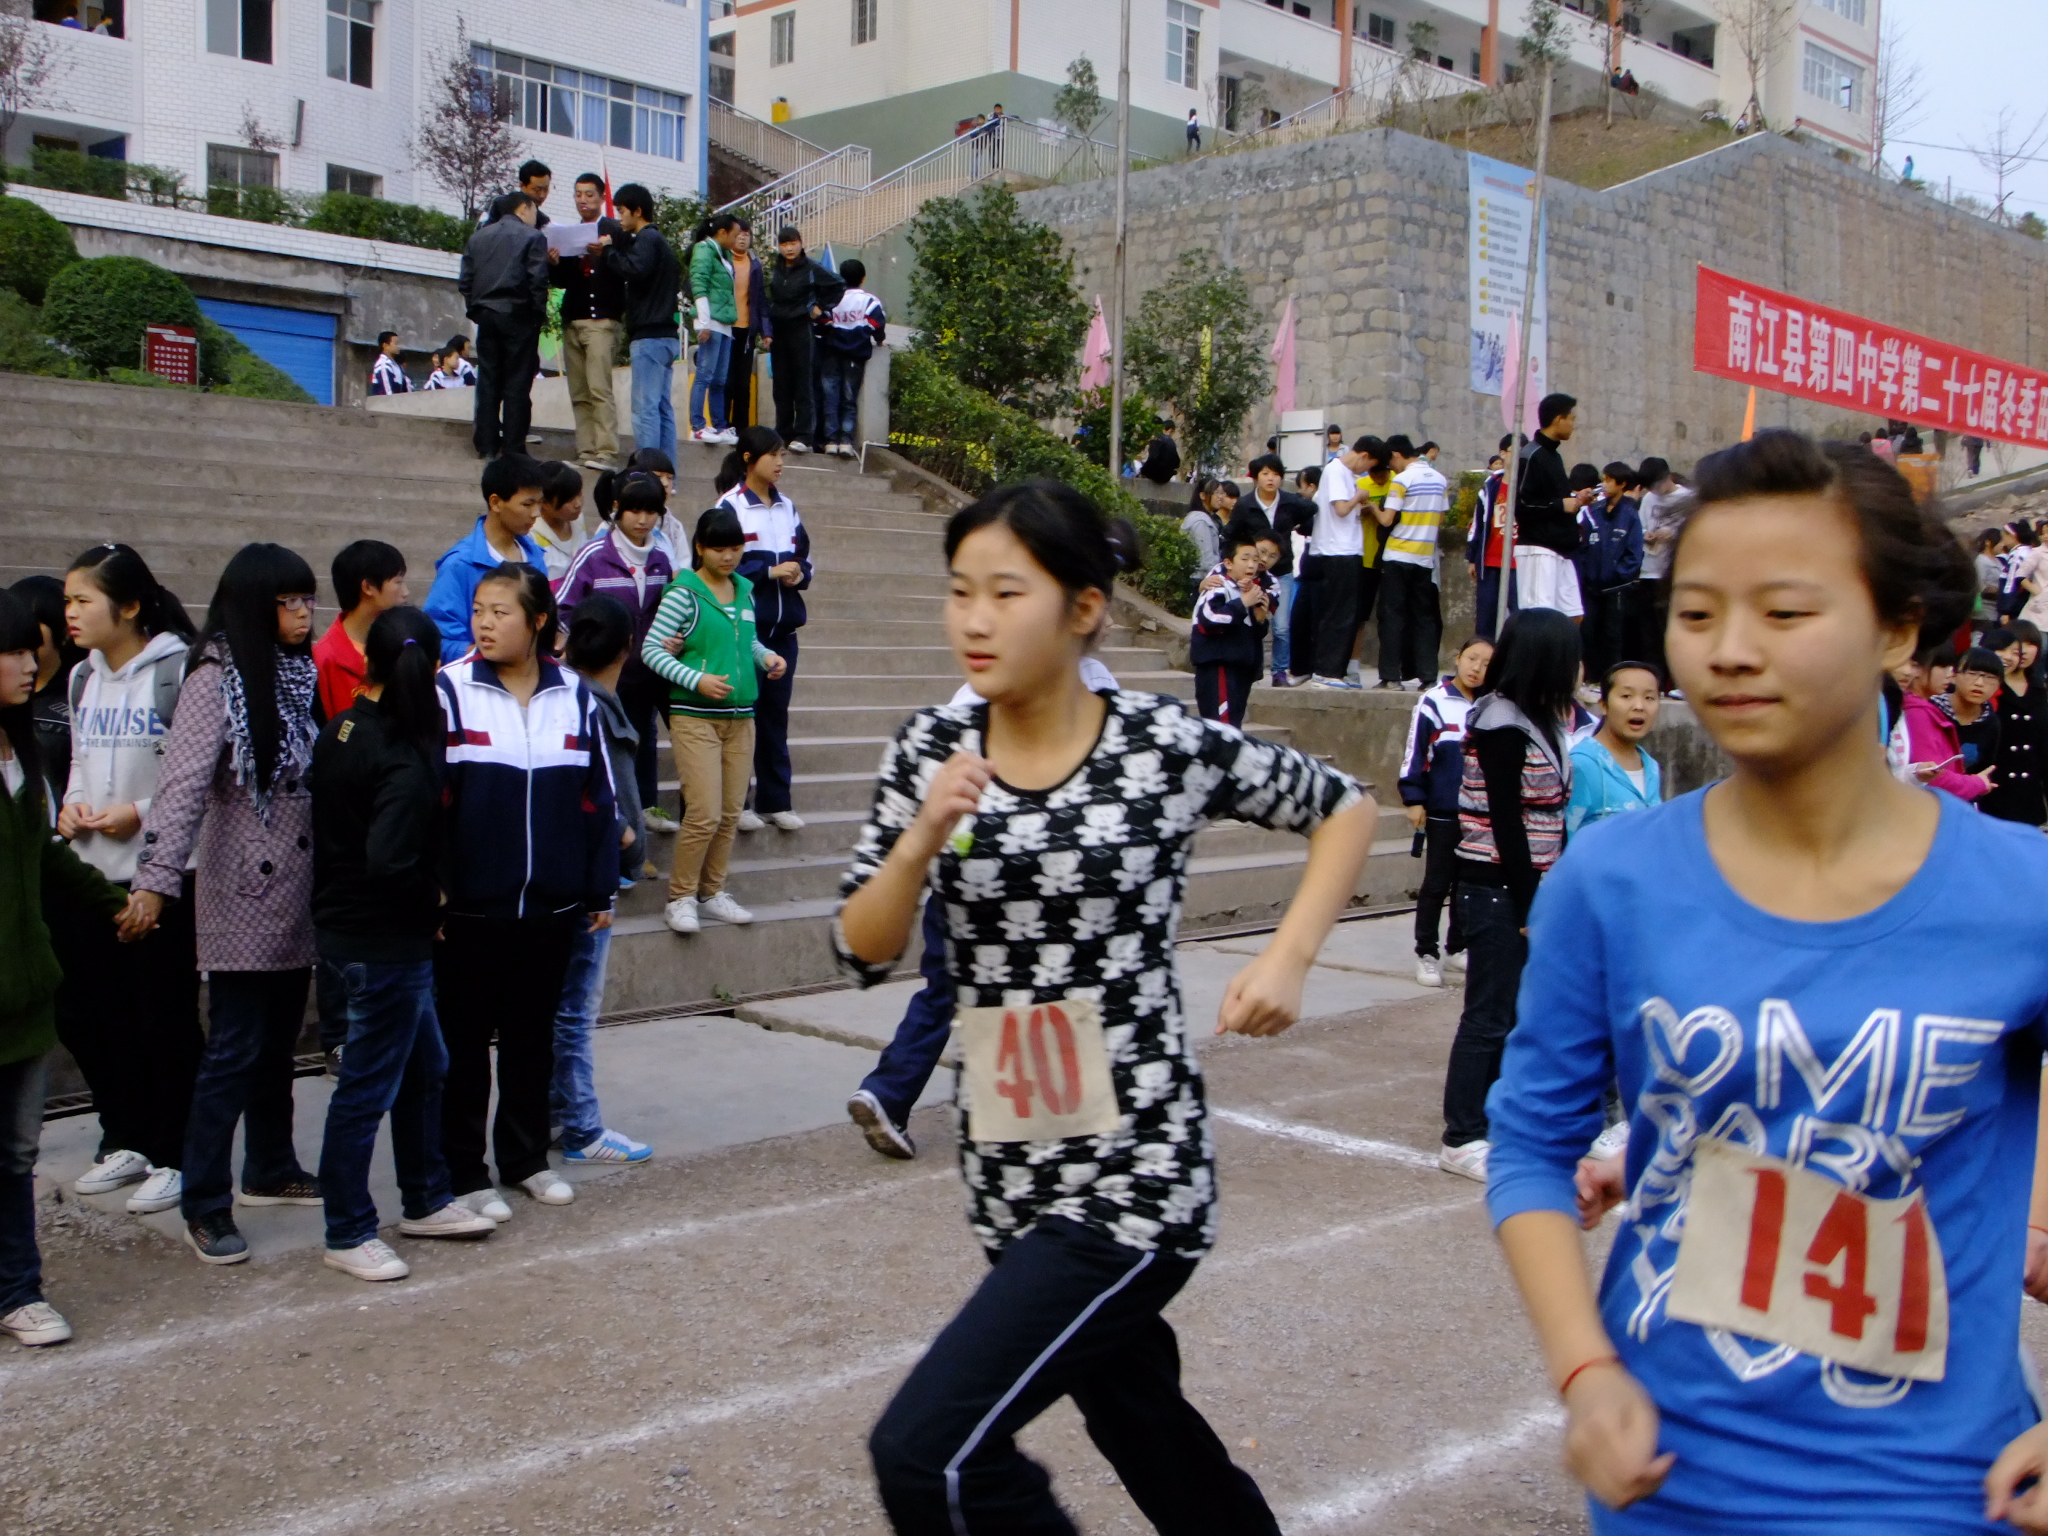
(1301, 1247)
(47, 1365)
(495, 1477)
(1334, 1141)
(1359, 1501)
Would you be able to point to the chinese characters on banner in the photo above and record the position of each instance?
(1779, 341)
(1501, 212)
(171, 352)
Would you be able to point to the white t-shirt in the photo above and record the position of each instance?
(1095, 677)
(1636, 776)
(1335, 534)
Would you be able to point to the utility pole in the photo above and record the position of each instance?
(1521, 380)
(1123, 221)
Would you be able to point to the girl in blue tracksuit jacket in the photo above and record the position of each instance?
(532, 859)
(777, 563)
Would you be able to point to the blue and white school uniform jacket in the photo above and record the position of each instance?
(1433, 765)
(532, 827)
(387, 378)
(775, 535)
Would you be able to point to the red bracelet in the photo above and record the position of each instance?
(2035, 1226)
(1577, 1371)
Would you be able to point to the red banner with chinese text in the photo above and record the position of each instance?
(1756, 335)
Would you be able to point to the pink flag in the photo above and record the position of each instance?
(1283, 361)
(1095, 351)
(1511, 375)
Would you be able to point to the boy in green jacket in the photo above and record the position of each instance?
(702, 643)
(31, 858)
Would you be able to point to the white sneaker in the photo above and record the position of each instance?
(661, 821)
(799, 446)
(727, 435)
(111, 1172)
(485, 1202)
(788, 821)
(35, 1323)
(1467, 1162)
(159, 1192)
(1612, 1142)
(725, 910)
(749, 822)
(1429, 971)
(706, 435)
(681, 915)
(1455, 962)
(373, 1260)
(453, 1220)
(549, 1188)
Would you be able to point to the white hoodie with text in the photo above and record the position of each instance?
(117, 745)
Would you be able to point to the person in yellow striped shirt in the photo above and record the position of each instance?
(1411, 612)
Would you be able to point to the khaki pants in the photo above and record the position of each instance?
(714, 759)
(588, 347)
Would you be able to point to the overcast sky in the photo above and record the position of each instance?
(1975, 56)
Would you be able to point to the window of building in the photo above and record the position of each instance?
(1379, 29)
(782, 38)
(230, 165)
(239, 28)
(351, 30)
(1183, 43)
(1300, 9)
(1832, 78)
(101, 16)
(1848, 10)
(864, 20)
(356, 183)
(722, 72)
(1475, 63)
(1228, 87)
(548, 98)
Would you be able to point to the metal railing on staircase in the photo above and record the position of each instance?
(772, 147)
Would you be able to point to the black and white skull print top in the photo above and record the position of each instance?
(1075, 892)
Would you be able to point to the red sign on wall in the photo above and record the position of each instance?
(1774, 340)
(171, 352)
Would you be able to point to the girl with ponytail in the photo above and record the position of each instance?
(128, 1013)
(376, 781)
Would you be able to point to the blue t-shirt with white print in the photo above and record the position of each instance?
(1891, 1052)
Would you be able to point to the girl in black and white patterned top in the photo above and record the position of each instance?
(1055, 825)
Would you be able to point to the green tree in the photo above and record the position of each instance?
(98, 308)
(1077, 105)
(1197, 347)
(993, 299)
(2031, 225)
(34, 248)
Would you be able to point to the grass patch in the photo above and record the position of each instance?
(1588, 152)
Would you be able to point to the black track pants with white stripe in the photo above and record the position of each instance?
(1065, 1312)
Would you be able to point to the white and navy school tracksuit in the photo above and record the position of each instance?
(775, 535)
(1432, 768)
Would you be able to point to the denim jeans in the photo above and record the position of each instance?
(572, 1095)
(1495, 952)
(654, 409)
(913, 1052)
(246, 1075)
(710, 363)
(21, 1131)
(842, 395)
(394, 1063)
(1282, 625)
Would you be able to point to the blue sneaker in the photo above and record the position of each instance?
(610, 1147)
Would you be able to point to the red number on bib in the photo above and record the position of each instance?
(1065, 1098)
(1766, 1226)
(1017, 1087)
(1844, 1232)
(1910, 1337)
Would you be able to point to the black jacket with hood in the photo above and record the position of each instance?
(653, 280)
(793, 289)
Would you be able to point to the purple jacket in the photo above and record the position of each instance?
(599, 567)
(254, 906)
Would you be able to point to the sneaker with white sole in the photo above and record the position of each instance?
(373, 1260)
(787, 821)
(34, 1323)
(1455, 961)
(1467, 1162)
(549, 1188)
(111, 1172)
(159, 1192)
(610, 1147)
(485, 1202)
(453, 1220)
(303, 1190)
(216, 1239)
(883, 1134)
(661, 821)
(1612, 1142)
(799, 446)
(749, 822)
(722, 908)
(708, 435)
(1429, 971)
(681, 915)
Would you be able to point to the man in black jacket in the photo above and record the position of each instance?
(504, 283)
(1547, 515)
(1287, 515)
(593, 298)
(799, 292)
(643, 259)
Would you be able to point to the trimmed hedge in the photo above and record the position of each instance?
(372, 218)
(98, 308)
(69, 170)
(34, 247)
(23, 346)
(966, 437)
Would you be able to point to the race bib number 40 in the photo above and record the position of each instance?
(1037, 1073)
(1780, 1253)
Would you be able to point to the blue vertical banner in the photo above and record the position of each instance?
(1502, 200)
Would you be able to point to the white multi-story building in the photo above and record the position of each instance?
(341, 87)
(900, 75)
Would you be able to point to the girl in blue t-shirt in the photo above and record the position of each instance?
(1810, 1318)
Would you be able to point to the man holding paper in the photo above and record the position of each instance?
(593, 298)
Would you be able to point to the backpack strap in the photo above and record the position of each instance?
(168, 680)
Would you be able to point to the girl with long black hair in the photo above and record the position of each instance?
(33, 866)
(233, 795)
(1511, 810)
(128, 1013)
(376, 780)
(1055, 825)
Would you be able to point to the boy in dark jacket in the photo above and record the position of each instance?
(856, 326)
(643, 260)
(799, 292)
(1227, 644)
(504, 284)
(1610, 564)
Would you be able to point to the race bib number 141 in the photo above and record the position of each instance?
(1038, 1072)
(1777, 1252)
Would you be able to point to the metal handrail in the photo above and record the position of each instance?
(765, 144)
